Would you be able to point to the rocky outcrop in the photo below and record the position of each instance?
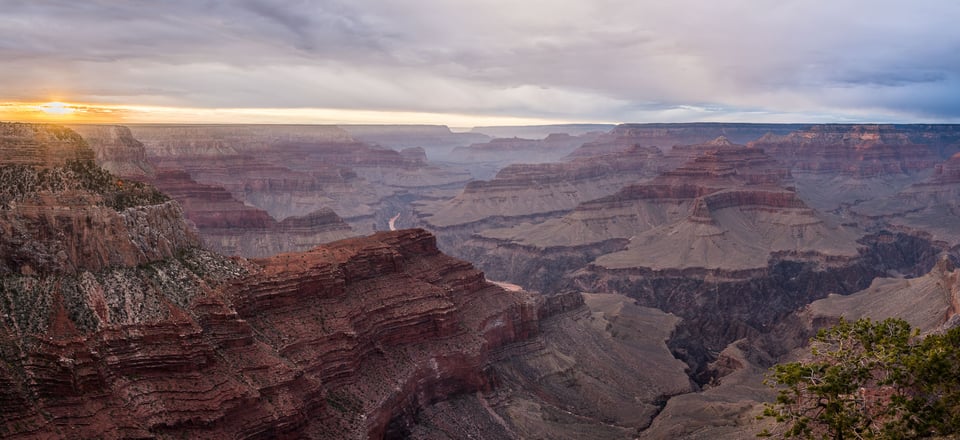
(116, 150)
(927, 302)
(40, 145)
(341, 341)
(947, 173)
(67, 232)
(225, 224)
(737, 230)
(61, 213)
(720, 306)
(393, 324)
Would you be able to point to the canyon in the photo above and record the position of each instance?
(228, 281)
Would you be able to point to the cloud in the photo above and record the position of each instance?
(602, 60)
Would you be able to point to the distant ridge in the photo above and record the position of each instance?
(540, 131)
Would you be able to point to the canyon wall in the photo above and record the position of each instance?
(359, 338)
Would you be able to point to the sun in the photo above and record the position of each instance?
(56, 108)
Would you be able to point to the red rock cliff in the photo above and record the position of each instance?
(857, 150)
(113, 324)
(329, 343)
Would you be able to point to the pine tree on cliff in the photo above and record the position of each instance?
(870, 380)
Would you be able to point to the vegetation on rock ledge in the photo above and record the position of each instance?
(20, 181)
(870, 380)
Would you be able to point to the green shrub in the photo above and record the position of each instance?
(877, 380)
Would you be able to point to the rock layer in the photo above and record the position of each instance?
(225, 224)
(669, 135)
(61, 213)
(296, 170)
(525, 192)
(338, 341)
(722, 241)
(354, 339)
(842, 164)
(230, 227)
(731, 208)
(929, 206)
(40, 145)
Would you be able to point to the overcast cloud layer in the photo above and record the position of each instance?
(590, 60)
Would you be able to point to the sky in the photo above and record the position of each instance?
(480, 62)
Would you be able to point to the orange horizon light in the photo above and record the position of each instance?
(57, 112)
(66, 112)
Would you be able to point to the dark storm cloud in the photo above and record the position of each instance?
(565, 59)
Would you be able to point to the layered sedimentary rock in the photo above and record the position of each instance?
(70, 231)
(294, 171)
(391, 325)
(668, 135)
(40, 145)
(360, 338)
(837, 164)
(857, 151)
(331, 343)
(929, 206)
(350, 340)
(230, 227)
(225, 223)
(723, 241)
(731, 208)
(146, 336)
(526, 192)
(215, 140)
(944, 139)
(139, 337)
(59, 212)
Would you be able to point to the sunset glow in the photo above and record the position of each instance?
(70, 112)
(56, 108)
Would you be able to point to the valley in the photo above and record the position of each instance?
(324, 281)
